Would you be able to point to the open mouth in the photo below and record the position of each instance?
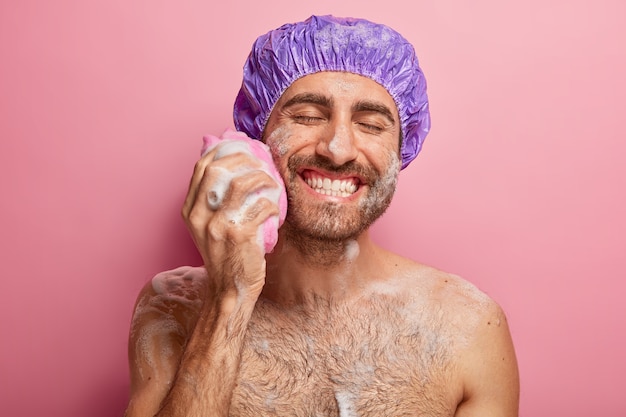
(338, 187)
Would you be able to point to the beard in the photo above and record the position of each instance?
(327, 221)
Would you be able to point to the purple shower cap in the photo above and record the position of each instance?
(327, 43)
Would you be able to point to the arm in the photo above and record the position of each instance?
(209, 365)
(158, 333)
(203, 380)
(490, 370)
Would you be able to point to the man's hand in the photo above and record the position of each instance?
(226, 232)
(224, 223)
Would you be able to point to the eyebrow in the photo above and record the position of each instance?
(374, 107)
(309, 98)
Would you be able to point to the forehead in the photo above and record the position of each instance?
(339, 86)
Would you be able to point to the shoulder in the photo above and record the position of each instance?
(461, 299)
(436, 287)
(169, 298)
(454, 304)
(165, 313)
(477, 329)
(178, 281)
(171, 295)
(180, 285)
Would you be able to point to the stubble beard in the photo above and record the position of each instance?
(323, 225)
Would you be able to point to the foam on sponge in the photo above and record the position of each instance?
(237, 142)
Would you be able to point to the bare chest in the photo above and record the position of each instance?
(359, 361)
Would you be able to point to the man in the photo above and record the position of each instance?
(328, 324)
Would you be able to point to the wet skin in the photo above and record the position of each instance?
(329, 323)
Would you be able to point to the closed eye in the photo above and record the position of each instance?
(307, 120)
(371, 128)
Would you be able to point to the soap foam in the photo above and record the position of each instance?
(345, 403)
(216, 194)
(386, 184)
(278, 141)
(352, 250)
(338, 144)
(237, 142)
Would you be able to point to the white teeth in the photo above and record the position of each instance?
(335, 188)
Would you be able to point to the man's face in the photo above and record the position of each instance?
(335, 139)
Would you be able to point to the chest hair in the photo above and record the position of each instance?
(376, 357)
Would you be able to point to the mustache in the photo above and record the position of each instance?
(323, 163)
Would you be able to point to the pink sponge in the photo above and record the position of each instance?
(233, 142)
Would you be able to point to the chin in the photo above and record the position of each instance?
(330, 221)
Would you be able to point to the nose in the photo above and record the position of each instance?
(338, 144)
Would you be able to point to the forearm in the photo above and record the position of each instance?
(208, 370)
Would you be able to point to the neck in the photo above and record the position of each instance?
(301, 269)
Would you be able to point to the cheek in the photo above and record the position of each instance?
(286, 140)
(382, 156)
(394, 165)
(278, 141)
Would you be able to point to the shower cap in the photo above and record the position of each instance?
(328, 43)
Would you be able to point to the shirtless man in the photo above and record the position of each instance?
(328, 323)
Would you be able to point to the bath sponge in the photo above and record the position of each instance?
(238, 142)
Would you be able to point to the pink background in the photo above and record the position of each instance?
(520, 187)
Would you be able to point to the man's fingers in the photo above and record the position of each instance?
(260, 211)
(230, 191)
(207, 168)
(196, 178)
